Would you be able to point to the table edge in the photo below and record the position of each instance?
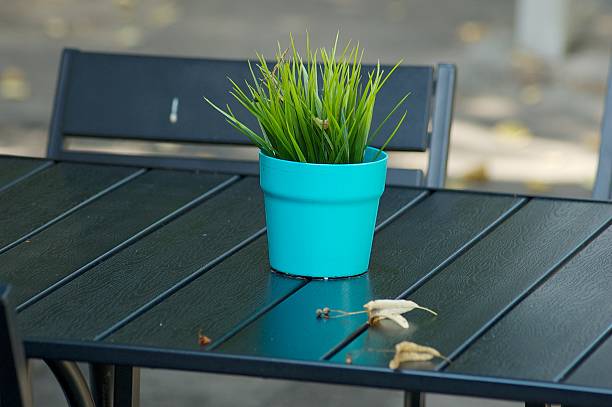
(320, 371)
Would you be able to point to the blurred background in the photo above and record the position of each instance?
(531, 72)
(530, 94)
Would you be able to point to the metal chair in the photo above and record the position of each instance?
(110, 97)
(603, 180)
(14, 381)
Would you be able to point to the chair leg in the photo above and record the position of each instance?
(414, 399)
(73, 383)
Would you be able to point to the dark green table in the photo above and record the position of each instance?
(126, 266)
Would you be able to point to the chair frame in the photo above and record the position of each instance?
(603, 181)
(441, 113)
(13, 369)
(13, 366)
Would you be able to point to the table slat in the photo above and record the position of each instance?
(595, 370)
(553, 325)
(111, 291)
(472, 292)
(14, 169)
(50, 193)
(227, 296)
(75, 241)
(404, 252)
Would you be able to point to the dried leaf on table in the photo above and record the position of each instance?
(203, 340)
(378, 310)
(392, 309)
(413, 352)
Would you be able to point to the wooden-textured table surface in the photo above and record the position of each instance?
(126, 265)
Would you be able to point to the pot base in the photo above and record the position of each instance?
(309, 278)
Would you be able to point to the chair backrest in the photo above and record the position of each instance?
(160, 99)
(14, 383)
(603, 180)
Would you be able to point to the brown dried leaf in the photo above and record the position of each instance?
(163, 15)
(397, 318)
(56, 27)
(128, 36)
(377, 310)
(13, 84)
(479, 173)
(408, 357)
(413, 352)
(393, 310)
(126, 5)
(471, 32)
(203, 340)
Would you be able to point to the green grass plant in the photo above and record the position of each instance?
(311, 111)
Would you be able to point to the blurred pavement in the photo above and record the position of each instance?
(521, 124)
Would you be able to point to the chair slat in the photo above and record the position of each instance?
(131, 97)
(603, 181)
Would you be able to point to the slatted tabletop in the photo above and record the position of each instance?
(125, 265)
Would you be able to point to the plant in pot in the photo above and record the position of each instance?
(321, 180)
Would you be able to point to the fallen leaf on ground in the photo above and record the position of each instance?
(479, 173)
(471, 32)
(13, 84)
(531, 94)
(56, 27)
(128, 36)
(163, 15)
(538, 186)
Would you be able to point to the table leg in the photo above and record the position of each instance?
(115, 386)
(127, 386)
(414, 399)
(101, 379)
(73, 383)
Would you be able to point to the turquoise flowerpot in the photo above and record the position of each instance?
(321, 217)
